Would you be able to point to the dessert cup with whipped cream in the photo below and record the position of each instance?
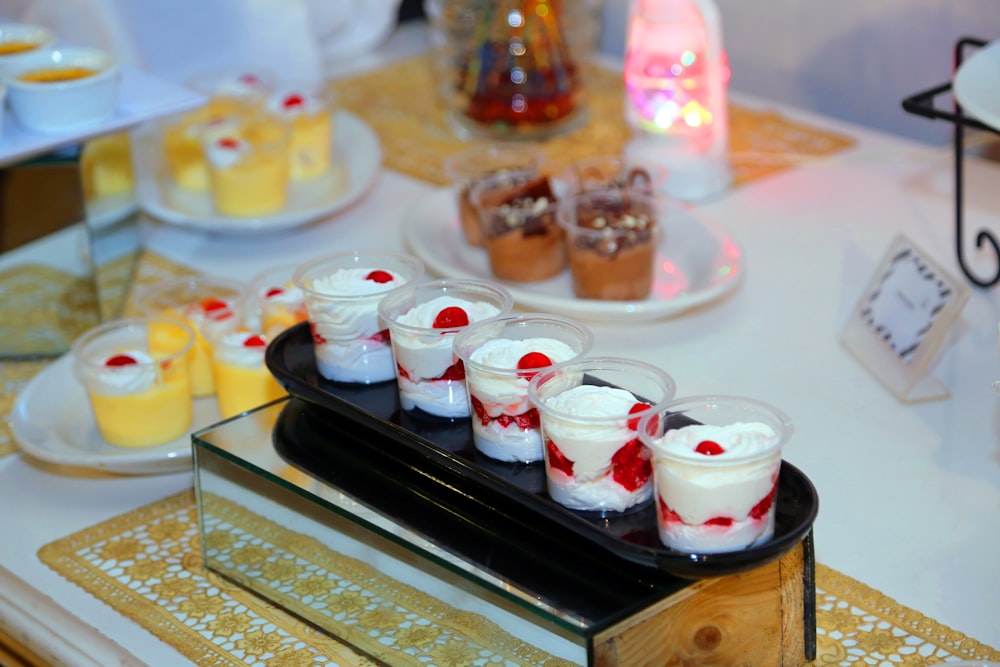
(612, 237)
(274, 302)
(423, 320)
(590, 409)
(342, 292)
(205, 304)
(500, 356)
(242, 379)
(716, 462)
(498, 164)
(249, 167)
(135, 372)
(306, 110)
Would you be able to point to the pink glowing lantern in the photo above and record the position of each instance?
(676, 76)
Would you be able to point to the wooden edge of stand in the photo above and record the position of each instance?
(761, 618)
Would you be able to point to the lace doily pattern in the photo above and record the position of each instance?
(147, 565)
(399, 103)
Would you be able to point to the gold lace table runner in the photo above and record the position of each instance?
(400, 104)
(147, 565)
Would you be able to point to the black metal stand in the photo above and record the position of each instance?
(922, 104)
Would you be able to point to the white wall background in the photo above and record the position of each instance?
(851, 59)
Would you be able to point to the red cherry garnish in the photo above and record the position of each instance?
(274, 291)
(211, 303)
(229, 143)
(709, 448)
(557, 459)
(255, 341)
(379, 276)
(121, 360)
(633, 424)
(451, 317)
(293, 101)
(533, 360)
(630, 466)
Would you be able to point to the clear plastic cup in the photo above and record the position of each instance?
(611, 241)
(248, 167)
(523, 239)
(342, 292)
(612, 172)
(716, 461)
(273, 302)
(470, 167)
(136, 376)
(423, 320)
(590, 410)
(242, 379)
(500, 357)
(306, 109)
(204, 303)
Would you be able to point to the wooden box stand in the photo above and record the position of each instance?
(765, 617)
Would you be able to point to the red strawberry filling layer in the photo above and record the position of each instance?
(758, 512)
(379, 337)
(454, 373)
(526, 421)
(630, 465)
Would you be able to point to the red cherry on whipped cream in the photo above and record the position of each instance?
(212, 304)
(709, 448)
(273, 292)
(228, 143)
(451, 317)
(379, 276)
(293, 101)
(120, 360)
(255, 341)
(532, 360)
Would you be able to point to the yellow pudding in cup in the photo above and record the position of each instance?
(274, 301)
(206, 305)
(242, 380)
(184, 139)
(249, 168)
(106, 167)
(307, 112)
(135, 372)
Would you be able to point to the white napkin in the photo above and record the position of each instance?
(179, 38)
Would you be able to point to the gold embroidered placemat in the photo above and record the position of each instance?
(400, 103)
(147, 565)
(32, 287)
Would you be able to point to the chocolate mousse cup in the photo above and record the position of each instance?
(611, 242)
(523, 238)
(716, 461)
(590, 410)
(500, 356)
(501, 165)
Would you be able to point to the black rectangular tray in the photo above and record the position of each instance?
(447, 445)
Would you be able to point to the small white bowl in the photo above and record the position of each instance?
(22, 34)
(62, 106)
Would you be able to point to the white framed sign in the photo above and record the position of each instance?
(899, 324)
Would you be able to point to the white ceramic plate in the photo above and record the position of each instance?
(977, 84)
(52, 421)
(357, 156)
(696, 263)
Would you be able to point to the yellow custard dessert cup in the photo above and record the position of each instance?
(242, 379)
(249, 167)
(135, 372)
(306, 109)
(205, 304)
(274, 301)
(184, 137)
